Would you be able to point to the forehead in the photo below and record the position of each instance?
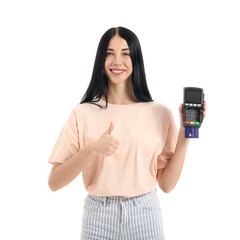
(117, 42)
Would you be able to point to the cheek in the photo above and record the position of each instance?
(108, 62)
(105, 65)
(129, 63)
(130, 66)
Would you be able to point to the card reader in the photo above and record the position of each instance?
(193, 99)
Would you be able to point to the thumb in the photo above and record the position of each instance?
(109, 130)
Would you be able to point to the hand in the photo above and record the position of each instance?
(204, 109)
(106, 144)
(181, 114)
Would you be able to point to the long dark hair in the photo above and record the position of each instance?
(98, 85)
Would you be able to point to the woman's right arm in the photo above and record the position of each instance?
(62, 174)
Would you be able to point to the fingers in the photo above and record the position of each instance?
(204, 109)
(112, 149)
(204, 106)
(116, 141)
(115, 145)
(180, 108)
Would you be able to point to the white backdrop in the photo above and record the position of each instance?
(47, 51)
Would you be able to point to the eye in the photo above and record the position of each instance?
(126, 54)
(108, 53)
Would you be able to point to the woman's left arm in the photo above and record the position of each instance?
(168, 177)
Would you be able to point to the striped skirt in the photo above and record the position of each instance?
(122, 218)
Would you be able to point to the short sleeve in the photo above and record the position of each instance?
(166, 155)
(67, 144)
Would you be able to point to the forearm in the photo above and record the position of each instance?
(170, 175)
(68, 171)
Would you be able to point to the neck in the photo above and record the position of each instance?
(120, 93)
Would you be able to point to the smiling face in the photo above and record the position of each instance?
(118, 63)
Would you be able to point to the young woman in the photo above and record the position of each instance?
(123, 142)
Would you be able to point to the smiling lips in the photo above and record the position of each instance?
(117, 71)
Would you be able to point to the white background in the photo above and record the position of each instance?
(47, 51)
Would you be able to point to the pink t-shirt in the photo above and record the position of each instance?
(147, 133)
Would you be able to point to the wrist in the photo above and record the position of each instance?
(91, 147)
(181, 136)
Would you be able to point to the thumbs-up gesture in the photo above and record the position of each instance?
(107, 144)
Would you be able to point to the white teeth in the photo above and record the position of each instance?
(115, 71)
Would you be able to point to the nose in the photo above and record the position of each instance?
(117, 60)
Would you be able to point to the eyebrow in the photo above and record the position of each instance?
(124, 49)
